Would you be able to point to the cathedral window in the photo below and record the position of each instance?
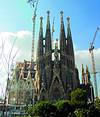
(44, 50)
(44, 42)
(66, 42)
(52, 56)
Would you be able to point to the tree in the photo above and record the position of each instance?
(64, 108)
(93, 111)
(97, 104)
(42, 109)
(81, 112)
(90, 111)
(79, 97)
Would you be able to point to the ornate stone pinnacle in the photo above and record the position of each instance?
(41, 18)
(68, 19)
(61, 15)
(48, 12)
(56, 39)
(86, 67)
(61, 12)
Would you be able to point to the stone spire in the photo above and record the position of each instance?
(87, 75)
(48, 51)
(63, 60)
(69, 39)
(41, 28)
(48, 34)
(62, 34)
(40, 40)
(68, 28)
(83, 75)
(40, 52)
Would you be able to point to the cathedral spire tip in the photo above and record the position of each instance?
(68, 19)
(86, 68)
(68, 27)
(48, 20)
(48, 12)
(41, 18)
(61, 13)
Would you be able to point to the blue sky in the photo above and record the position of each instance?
(16, 16)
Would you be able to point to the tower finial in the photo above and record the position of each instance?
(62, 33)
(48, 19)
(61, 12)
(48, 12)
(41, 28)
(68, 19)
(62, 23)
(53, 30)
(68, 28)
(41, 18)
(48, 34)
(61, 15)
(40, 40)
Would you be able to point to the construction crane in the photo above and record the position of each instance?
(93, 63)
(34, 4)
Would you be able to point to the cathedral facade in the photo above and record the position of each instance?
(56, 75)
(53, 76)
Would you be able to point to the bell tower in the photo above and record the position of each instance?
(48, 52)
(63, 66)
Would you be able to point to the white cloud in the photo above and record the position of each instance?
(84, 57)
(13, 47)
(22, 34)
